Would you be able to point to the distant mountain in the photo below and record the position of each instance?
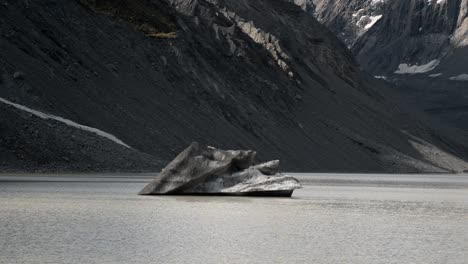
(421, 46)
(101, 85)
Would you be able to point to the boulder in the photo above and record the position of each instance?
(204, 170)
(19, 75)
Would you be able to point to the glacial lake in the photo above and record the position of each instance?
(335, 218)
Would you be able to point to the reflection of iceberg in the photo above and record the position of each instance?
(203, 170)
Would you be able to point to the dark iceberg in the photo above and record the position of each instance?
(204, 170)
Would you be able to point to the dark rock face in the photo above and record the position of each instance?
(423, 48)
(411, 32)
(205, 170)
(244, 74)
(349, 19)
(420, 46)
(414, 30)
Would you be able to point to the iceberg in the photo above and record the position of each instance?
(205, 170)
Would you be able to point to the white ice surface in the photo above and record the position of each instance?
(261, 182)
(65, 121)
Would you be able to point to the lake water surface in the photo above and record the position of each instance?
(335, 218)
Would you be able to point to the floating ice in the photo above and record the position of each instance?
(205, 170)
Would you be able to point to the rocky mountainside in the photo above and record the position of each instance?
(417, 36)
(420, 46)
(349, 19)
(98, 85)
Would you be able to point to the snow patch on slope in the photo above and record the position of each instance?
(438, 2)
(366, 21)
(435, 75)
(65, 121)
(414, 69)
(461, 77)
(383, 77)
(373, 19)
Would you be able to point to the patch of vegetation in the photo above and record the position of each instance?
(154, 19)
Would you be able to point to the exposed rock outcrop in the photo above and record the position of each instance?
(206, 170)
(460, 36)
(349, 19)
